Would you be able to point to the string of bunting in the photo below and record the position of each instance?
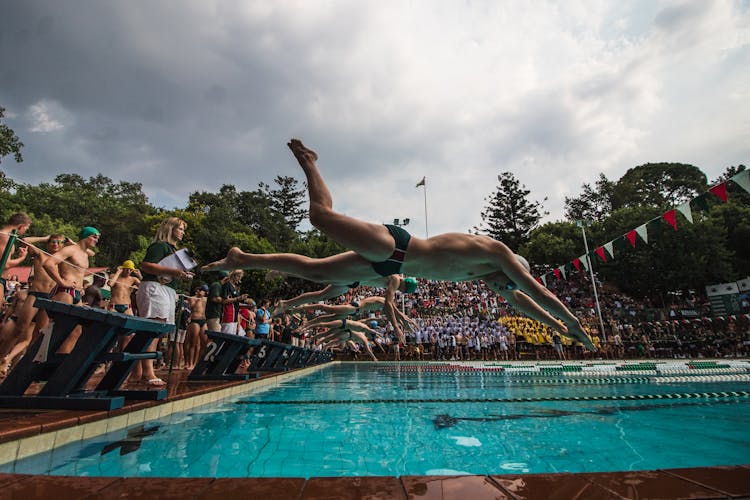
(606, 251)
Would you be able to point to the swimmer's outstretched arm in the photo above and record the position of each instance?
(390, 307)
(363, 340)
(406, 321)
(526, 305)
(539, 296)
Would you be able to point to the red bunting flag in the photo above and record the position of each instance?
(577, 264)
(671, 218)
(556, 271)
(600, 252)
(720, 190)
(539, 280)
(631, 237)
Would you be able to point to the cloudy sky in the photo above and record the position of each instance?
(188, 95)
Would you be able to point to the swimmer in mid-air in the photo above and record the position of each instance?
(354, 310)
(391, 283)
(383, 250)
(343, 331)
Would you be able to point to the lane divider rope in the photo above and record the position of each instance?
(624, 397)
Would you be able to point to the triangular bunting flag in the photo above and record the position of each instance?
(685, 210)
(743, 179)
(600, 252)
(630, 236)
(610, 249)
(539, 280)
(671, 217)
(585, 261)
(642, 232)
(544, 279)
(556, 272)
(720, 190)
(577, 264)
(562, 272)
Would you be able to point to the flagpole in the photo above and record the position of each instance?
(593, 280)
(426, 232)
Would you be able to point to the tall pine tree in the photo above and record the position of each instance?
(509, 215)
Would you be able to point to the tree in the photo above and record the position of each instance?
(552, 244)
(9, 141)
(118, 210)
(287, 200)
(595, 203)
(661, 185)
(509, 216)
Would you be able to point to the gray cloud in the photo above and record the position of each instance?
(189, 96)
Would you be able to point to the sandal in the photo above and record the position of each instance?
(156, 382)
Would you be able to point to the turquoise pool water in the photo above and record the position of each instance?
(350, 420)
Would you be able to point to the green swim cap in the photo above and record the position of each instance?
(88, 231)
(410, 285)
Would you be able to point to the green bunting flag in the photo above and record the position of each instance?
(742, 179)
(684, 209)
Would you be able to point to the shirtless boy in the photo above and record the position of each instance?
(122, 283)
(383, 250)
(21, 223)
(67, 267)
(196, 330)
(40, 287)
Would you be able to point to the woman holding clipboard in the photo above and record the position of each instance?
(156, 296)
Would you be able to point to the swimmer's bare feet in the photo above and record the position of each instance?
(228, 263)
(303, 154)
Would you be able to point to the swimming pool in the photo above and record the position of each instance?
(389, 419)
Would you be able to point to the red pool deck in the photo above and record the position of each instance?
(694, 483)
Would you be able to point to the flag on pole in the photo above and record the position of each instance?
(422, 182)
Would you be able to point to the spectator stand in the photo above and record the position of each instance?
(226, 353)
(66, 375)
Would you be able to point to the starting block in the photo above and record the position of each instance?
(67, 374)
(225, 353)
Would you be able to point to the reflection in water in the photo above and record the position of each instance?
(132, 442)
(444, 421)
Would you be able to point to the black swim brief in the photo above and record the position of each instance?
(41, 295)
(76, 294)
(393, 264)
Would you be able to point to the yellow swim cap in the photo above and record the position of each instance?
(128, 264)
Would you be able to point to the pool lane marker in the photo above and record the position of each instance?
(624, 397)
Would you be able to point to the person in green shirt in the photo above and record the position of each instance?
(156, 296)
(215, 303)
